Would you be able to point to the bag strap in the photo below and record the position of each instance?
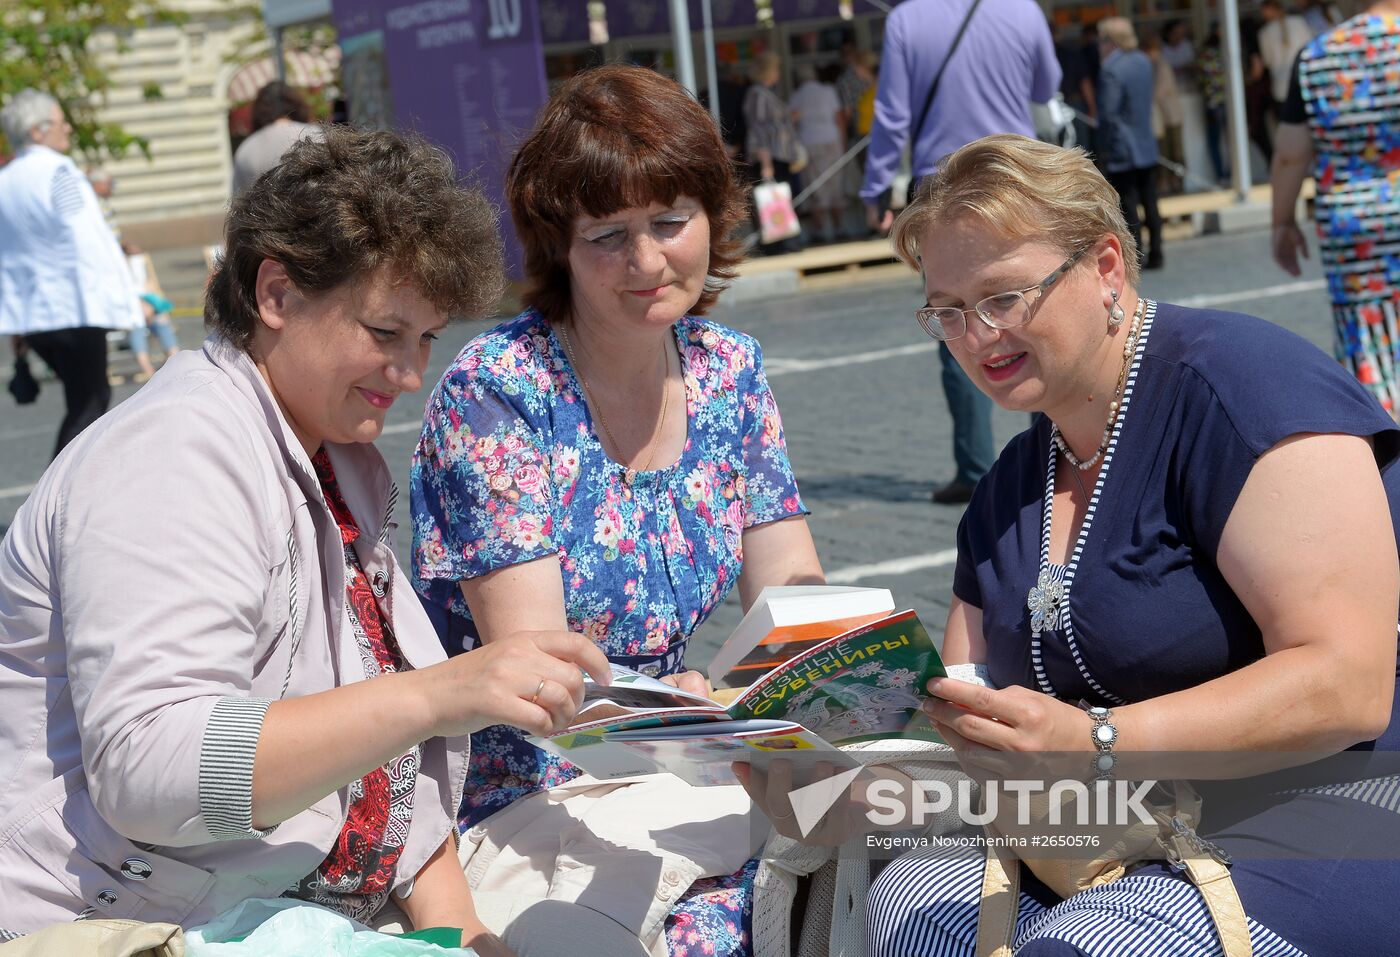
(1000, 905)
(937, 77)
(1217, 888)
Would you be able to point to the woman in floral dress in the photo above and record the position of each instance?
(1340, 123)
(609, 459)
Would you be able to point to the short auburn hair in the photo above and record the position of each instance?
(343, 205)
(613, 138)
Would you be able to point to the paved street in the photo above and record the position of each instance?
(857, 382)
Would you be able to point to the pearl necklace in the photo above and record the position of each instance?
(1114, 404)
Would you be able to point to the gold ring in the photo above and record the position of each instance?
(535, 698)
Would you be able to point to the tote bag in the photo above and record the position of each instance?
(777, 218)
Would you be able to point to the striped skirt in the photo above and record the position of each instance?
(926, 906)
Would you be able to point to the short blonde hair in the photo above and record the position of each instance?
(1023, 189)
(765, 63)
(1120, 31)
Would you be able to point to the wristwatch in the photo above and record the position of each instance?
(1104, 735)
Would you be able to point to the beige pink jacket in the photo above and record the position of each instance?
(175, 571)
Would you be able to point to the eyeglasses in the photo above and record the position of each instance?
(1005, 310)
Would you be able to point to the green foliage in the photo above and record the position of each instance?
(46, 44)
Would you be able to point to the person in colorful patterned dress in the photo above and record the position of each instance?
(610, 459)
(218, 683)
(1340, 122)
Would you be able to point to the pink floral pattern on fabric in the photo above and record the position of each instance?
(715, 918)
(509, 469)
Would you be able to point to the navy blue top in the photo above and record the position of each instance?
(1147, 611)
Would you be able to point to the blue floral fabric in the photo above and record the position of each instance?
(715, 918)
(509, 469)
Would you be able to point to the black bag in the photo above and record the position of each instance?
(23, 386)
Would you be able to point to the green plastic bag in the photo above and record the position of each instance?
(281, 927)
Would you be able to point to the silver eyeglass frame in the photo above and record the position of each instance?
(927, 315)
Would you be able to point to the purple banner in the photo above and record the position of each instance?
(638, 18)
(564, 21)
(805, 9)
(824, 9)
(724, 13)
(467, 74)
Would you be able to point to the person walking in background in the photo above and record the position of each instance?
(1127, 148)
(940, 89)
(280, 118)
(816, 109)
(733, 87)
(1321, 16)
(155, 313)
(1210, 77)
(1328, 126)
(771, 143)
(856, 80)
(63, 278)
(1077, 85)
(1167, 115)
(1258, 90)
(1280, 38)
(857, 76)
(1179, 51)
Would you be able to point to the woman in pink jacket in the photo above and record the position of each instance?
(218, 683)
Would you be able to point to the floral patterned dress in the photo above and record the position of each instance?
(509, 469)
(1344, 88)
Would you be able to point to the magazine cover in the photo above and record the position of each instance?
(863, 686)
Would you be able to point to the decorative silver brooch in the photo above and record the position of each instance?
(1044, 602)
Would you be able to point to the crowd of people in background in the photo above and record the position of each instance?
(1189, 76)
(796, 131)
(801, 139)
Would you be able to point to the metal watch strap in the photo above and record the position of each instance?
(1104, 735)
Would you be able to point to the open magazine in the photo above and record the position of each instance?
(863, 685)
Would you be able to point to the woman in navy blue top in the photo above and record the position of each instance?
(1196, 538)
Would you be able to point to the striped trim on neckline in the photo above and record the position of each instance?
(1066, 622)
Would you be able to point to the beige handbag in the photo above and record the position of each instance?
(100, 938)
(1171, 837)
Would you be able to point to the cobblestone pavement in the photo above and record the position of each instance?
(867, 428)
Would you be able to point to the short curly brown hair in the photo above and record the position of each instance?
(339, 207)
(612, 138)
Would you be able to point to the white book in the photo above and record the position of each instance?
(785, 620)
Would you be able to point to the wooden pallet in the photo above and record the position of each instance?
(840, 258)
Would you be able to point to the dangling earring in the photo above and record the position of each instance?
(1116, 315)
